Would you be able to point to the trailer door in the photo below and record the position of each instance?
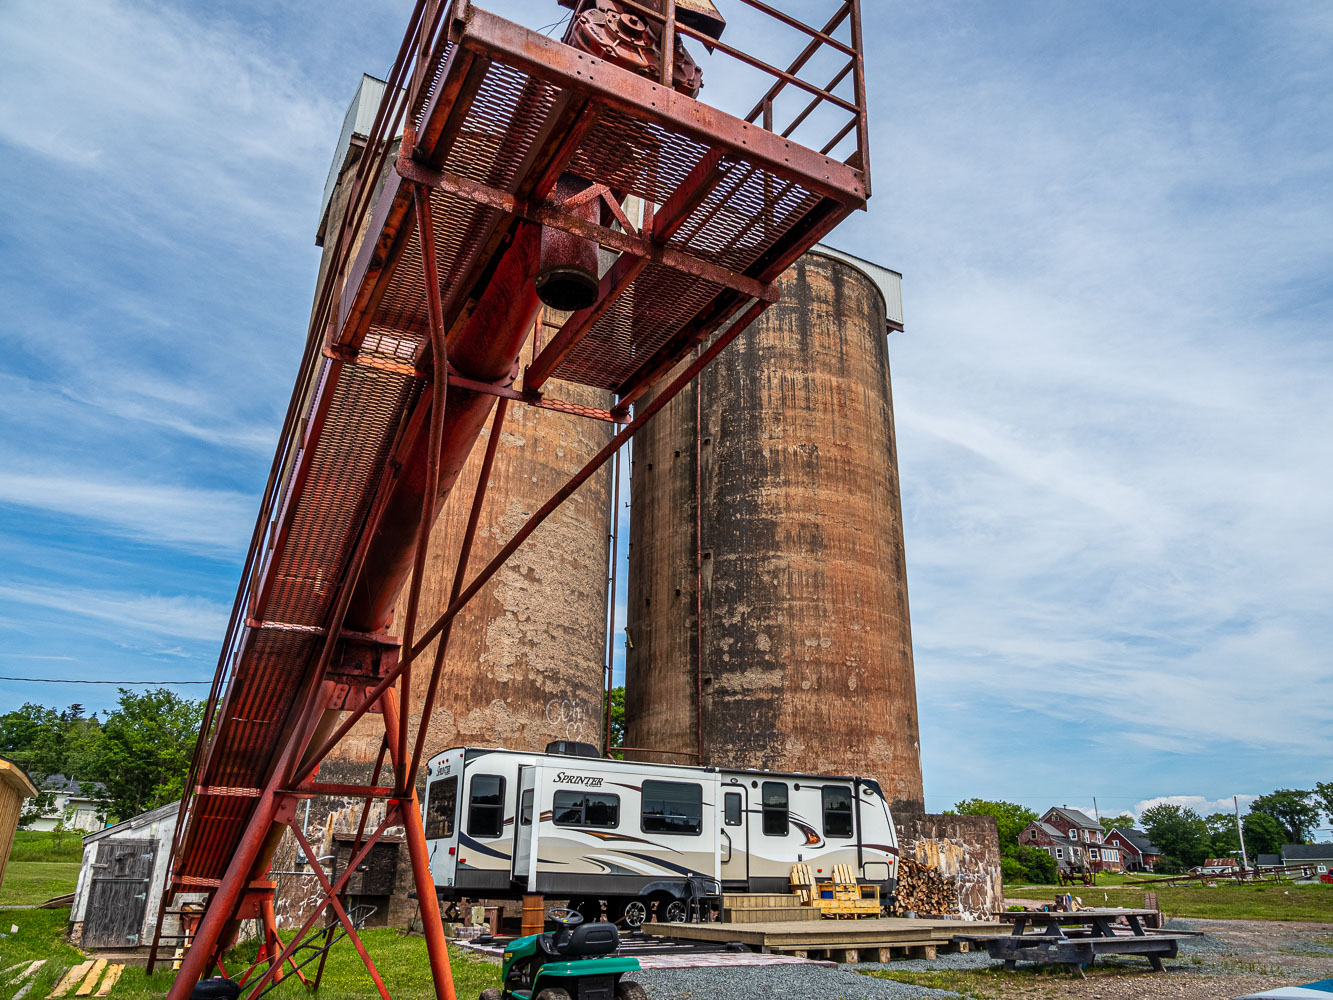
(525, 826)
(735, 833)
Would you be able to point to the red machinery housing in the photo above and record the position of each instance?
(518, 153)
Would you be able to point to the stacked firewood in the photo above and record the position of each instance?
(924, 891)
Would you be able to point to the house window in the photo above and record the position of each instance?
(586, 809)
(1059, 853)
(837, 811)
(672, 807)
(1093, 854)
(441, 804)
(486, 808)
(775, 808)
(731, 805)
(1323, 868)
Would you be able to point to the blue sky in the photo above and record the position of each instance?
(1115, 223)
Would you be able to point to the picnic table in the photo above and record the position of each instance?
(1077, 937)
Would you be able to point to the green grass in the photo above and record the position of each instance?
(28, 883)
(35, 845)
(40, 934)
(400, 959)
(1235, 901)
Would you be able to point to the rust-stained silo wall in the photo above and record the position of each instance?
(806, 642)
(526, 658)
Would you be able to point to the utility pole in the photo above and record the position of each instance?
(1096, 815)
(1240, 831)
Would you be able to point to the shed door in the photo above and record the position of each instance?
(118, 899)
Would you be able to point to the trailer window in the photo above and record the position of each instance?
(486, 810)
(586, 809)
(672, 807)
(775, 808)
(441, 804)
(732, 805)
(525, 808)
(837, 811)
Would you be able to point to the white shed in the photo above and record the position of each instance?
(120, 883)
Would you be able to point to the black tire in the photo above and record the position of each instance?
(635, 913)
(673, 911)
(216, 988)
(626, 990)
(491, 993)
(552, 995)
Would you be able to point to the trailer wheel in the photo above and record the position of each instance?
(674, 912)
(636, 912)
(626, 990)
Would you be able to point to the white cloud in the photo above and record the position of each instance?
(179, 616)
(193, 519)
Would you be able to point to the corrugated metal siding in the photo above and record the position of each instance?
(890, 283)
(358, 121)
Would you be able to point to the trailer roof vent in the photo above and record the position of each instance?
(572, 748)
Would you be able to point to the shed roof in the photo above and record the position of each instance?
(73, 787)
(12, 775)
(1306, 852)
(135, 822)
(1139, 839)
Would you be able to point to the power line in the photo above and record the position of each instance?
(58, 680)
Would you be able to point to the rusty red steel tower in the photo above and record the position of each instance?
(517, 156)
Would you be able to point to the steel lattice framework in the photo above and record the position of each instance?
(407, 358)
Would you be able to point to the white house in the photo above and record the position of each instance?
(78, 803)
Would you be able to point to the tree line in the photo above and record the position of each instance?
(139, 752)
(1186, 839)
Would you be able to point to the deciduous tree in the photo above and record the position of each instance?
(1182, 834)
(1122, 822)
(1010, 817)
(1263, 834)
(145, 751)
(1293, 809)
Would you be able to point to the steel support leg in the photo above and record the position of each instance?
(437, 946)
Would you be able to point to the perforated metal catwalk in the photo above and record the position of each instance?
(416, 337)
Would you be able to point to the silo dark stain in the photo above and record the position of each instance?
(807, 648)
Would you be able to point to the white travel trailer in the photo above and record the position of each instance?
(573, 825)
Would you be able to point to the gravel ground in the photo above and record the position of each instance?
(778, 982)
(1228, 959)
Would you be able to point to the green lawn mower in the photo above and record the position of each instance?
(576, 961)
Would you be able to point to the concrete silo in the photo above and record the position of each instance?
(526, 658)
(768, 616)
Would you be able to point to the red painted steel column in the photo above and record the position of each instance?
(437, 946)
(208, 939)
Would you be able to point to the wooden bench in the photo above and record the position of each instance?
(841, 897)
(1077, 937)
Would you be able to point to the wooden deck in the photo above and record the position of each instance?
(871, 940)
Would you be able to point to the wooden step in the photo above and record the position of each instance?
(776, 914)
(760, 900)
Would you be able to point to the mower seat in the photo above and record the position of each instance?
(587, 940)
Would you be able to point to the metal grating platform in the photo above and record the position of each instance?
(496, 113)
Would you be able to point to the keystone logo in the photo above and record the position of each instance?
(588, 781)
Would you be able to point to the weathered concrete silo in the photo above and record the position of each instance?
(768, 616)
(525, 663)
